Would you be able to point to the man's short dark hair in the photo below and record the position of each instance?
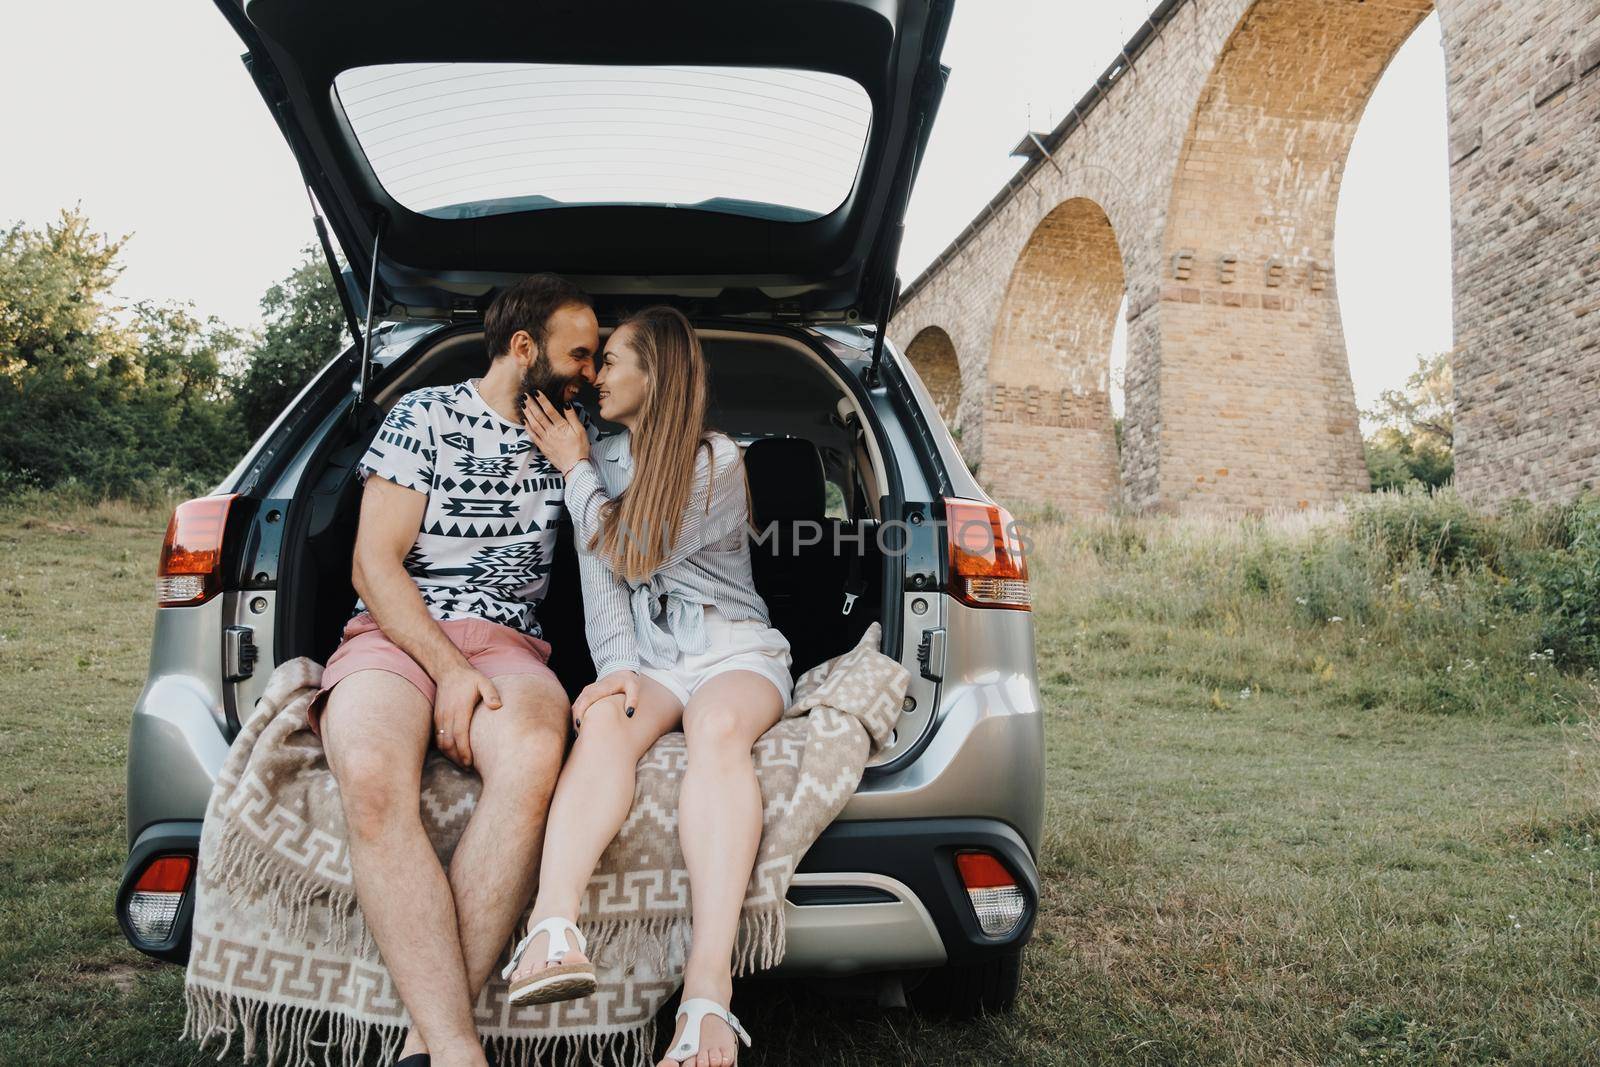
(528, 306)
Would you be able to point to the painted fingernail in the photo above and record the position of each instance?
(630, 713)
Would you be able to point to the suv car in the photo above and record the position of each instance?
(865, 509)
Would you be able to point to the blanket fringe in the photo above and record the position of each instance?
(758, 945)
(297, 1036)
(620, 943)
(761, 940)
(294, 1035)
(243, 865)
(626, 1048)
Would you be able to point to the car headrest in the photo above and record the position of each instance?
(786, 480)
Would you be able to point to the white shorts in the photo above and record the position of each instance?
(731, 645)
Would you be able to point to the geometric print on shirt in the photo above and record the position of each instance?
(494, 501)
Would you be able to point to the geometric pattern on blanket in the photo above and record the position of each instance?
(282, 963)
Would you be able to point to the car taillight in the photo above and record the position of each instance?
(987, 569)
(191, 557)
(157, 896)
(997, 901)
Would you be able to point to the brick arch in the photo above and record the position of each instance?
(1048, 403)
(933, 354)
(1257, 403)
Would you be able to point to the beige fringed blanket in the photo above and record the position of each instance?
(282, 962)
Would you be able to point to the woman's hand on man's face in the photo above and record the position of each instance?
(559, 435)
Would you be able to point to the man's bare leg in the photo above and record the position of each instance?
(517, 750)
(375, 731)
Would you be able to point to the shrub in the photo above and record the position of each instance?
(1413, 526)
(102, 396)
(1333, 580)
(303, 328)
(1119, 538)
(1567, 584)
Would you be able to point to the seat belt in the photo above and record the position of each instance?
(854, 584)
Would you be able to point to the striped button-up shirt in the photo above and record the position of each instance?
(651, 622)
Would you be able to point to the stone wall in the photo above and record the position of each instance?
(934, 355)
(1524, 88)
(1208, 170)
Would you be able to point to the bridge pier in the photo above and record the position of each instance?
(1202, 180)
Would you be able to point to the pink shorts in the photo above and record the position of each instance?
(491, 648)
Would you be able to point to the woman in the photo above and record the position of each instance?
(679, 637)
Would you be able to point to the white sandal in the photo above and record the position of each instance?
(557, 980)
(697, 1008)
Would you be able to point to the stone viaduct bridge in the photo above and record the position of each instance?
(1200, 177)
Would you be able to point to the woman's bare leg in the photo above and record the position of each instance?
(719, 827)
(592, 799)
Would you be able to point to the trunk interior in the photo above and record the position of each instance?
(809, 469)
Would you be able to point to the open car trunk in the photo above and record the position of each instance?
(754, 158)
(813, 490)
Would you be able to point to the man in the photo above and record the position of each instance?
(452, 557)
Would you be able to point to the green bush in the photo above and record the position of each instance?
(1121, 538)
(1436, 530)
(101, 397)
(1540, 563)
(1411, 602)
(303, 329)
(1332, 581)
(1566, 582)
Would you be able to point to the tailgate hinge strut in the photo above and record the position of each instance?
(364, 377)
(881, 333)
(345, 300)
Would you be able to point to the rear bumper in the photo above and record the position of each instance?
(918, 857)
(868, 896)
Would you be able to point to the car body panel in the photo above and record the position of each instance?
(856, 937)
(840, 265)
(985, 753)
(177, 739)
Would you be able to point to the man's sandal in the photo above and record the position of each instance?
(557, 980)
(697, 1008)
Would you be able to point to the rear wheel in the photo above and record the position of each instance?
(966, 991)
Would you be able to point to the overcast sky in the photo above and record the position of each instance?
(143, 114)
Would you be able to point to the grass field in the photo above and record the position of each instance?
(1299, 812)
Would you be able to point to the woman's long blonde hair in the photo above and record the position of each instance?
(638, 528)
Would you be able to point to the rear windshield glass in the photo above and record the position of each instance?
(462, 140)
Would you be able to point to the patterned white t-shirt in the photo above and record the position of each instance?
(494, 502)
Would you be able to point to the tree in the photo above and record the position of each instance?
(304, 329)
(109, 397)
(1415, 428)
(54, 284)
(185, 399)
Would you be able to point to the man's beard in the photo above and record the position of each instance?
(540, 378)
